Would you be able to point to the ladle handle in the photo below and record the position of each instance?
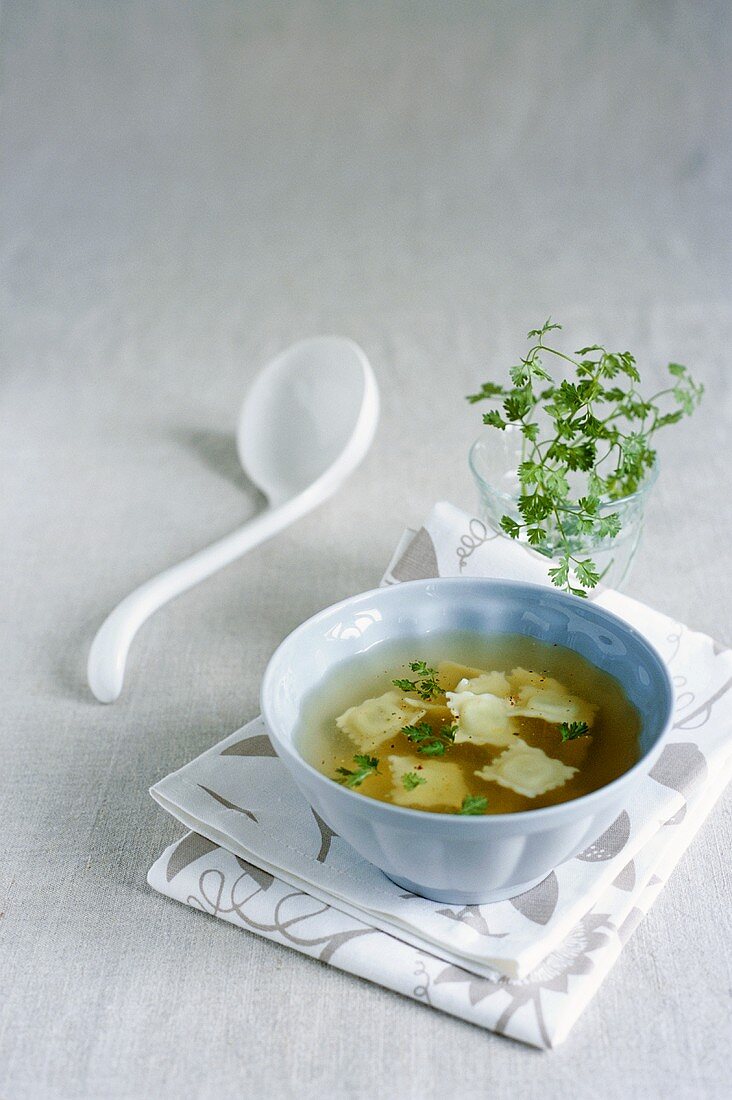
(108, 653)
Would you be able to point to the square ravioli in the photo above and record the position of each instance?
(527, 771)
(482, 719)
(374, 720)
(422, 728)
(450, 673)
(491, 683)
(443, 783)
(540, 696)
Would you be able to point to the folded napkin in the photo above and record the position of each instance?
(260, 857)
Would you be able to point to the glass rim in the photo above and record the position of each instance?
(648, 483)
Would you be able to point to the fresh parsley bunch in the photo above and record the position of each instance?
(594, 429)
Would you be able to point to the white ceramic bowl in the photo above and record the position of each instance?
(450, 857)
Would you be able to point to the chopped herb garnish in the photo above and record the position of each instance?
(474, 804)
(433, 748)
(571, 730)
(367, 765)
(410, 780)
(429, 741)
(417, 733)
(425, 685)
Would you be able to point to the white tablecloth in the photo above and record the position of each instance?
(186, 189)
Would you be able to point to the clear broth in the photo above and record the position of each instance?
(612, 748)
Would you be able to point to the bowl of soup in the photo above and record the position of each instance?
(467, 735)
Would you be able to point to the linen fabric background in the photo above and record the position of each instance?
(186, 190)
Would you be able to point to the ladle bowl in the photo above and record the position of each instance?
(306, 423)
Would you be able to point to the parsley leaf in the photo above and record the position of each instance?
(474, 804)
(586, 572)
(410, 780)
(366, 766)
(426, 684)
(433, 748)
(429, 741)
(487, 390)
(511, 527)
(495, 419)
(417, 734)
(572, 730)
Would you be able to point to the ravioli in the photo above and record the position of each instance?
(484, 705)
(493, 683)
(483, 731)
(372, 721)
(443, 783)
(439, 712)
(538, 696)
(450, 673)
(526, 770)
(523, 677)
(482, 719)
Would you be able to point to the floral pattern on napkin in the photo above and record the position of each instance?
(539, 1009)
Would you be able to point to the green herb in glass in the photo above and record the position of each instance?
(600, 432)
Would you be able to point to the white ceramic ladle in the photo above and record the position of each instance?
(306, 423)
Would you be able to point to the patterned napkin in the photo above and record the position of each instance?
(260, 857)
